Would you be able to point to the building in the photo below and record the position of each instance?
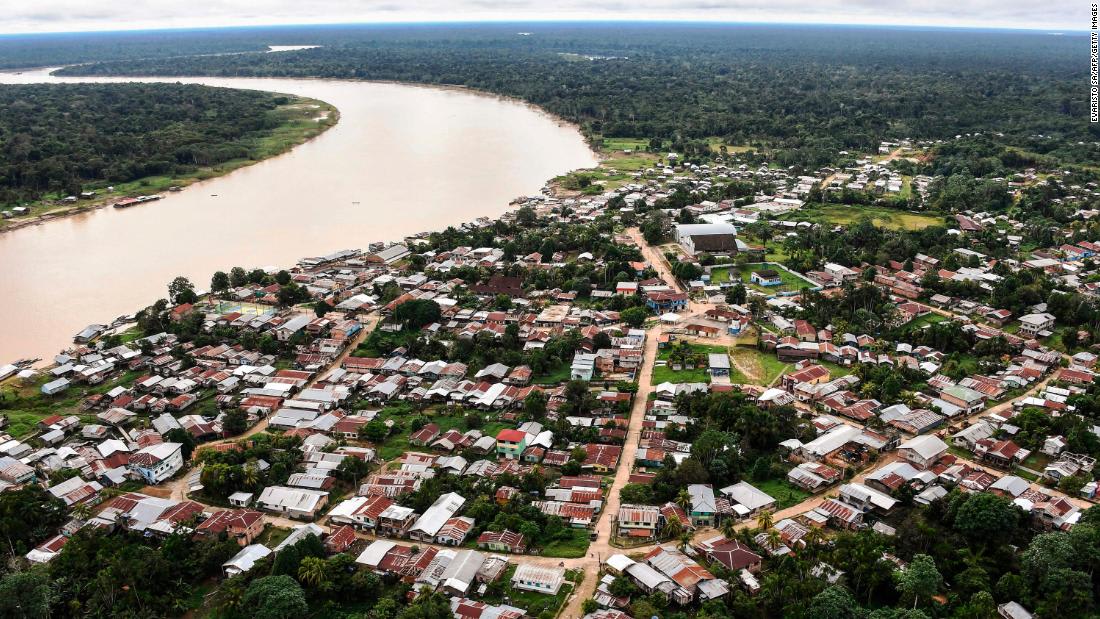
(746, 499)
(240, 524)
(511, 444)
(546, 580)
(922, 451)
(1034, 325)
(244, 560)
(709, 238)
(703, 505)
(639, 521)
(766, 277)
(157, 463)
(504, 541)
(428, 526)
(293, 502)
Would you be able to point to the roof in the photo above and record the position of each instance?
(925, 446)
(439, 513)
(747, 495)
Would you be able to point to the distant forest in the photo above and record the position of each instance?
(58, 137)
(810, 90)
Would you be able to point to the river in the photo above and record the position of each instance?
(403, 159)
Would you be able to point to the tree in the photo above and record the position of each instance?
(181, 290)
(235, 422)
(375, 431)
(737, 294)
(920, 580)
(238, 277)
(634, 316)
(25, 595)
(417, 313)
(313, 571)
(219, 282)
(275, 597)
(534, 405)
(352, 469)
(986, 517)
(833, 603)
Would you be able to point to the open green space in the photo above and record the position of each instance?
(845, 214)
(572, 548)
(25, 405)
(398, 443)
(783, 492)
(743, 272)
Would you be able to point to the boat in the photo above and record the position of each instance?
(128, 202)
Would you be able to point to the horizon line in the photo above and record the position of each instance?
(663, 21)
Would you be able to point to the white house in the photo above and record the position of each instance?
(546, 580)
(157, 463)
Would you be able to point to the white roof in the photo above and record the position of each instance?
(747, 495)
(619, 562)
(246, 558)
(925, 446)
(437, 515)
(374, 553)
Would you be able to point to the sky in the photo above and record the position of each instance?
(29, 16)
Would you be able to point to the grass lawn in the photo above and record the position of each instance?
(553, 377)
(665, 373)
(791, 282)
(760, 368)
(784, 493)
(272, 536)
(845, 214)
(927, 319)
(572, 548)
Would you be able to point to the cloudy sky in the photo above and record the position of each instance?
(25, 16)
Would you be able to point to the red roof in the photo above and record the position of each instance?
(511, 436)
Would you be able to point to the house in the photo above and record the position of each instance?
(766, 277)
(454, 531)
(428, 526)
(709, 238)
(293, 502)
(156, 463)
(718, 364)
(732, 554)
(662, 302)
(967, 399)
(244, 560)
(1035, 325)
(539, 579)
(922, 451)
(583, 366)
(511, 444)
(638, 521)
(747, 499)
(703, 506)
(504, 541)
(241, 524)
(424, 436)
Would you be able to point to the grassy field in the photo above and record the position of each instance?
(791, 283)
(760, 368)
(665, 374)
(299, 123)
(25, 405)
(927, 319)
(845, 214)
(553, 377)
(572, 548)
(784, 493)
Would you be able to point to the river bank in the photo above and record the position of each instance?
(304, 119)
(401, 160)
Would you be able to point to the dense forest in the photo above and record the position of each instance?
(61, 137)
(815, 90)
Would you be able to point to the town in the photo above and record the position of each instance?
(636, 393)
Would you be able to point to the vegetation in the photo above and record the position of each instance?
(58, 140)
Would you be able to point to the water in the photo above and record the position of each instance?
(403, 159)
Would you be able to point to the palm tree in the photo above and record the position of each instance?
(313, 571)
(728, 527)
(683, 499)
(81, 511)
(250, 475)
(765, 520)
(674, 528)
(774, 540)
(685, 539)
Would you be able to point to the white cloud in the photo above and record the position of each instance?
(69, 15)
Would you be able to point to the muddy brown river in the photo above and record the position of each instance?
(403, 159)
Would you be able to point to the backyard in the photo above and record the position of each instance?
(790, 281)
(845, 214)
